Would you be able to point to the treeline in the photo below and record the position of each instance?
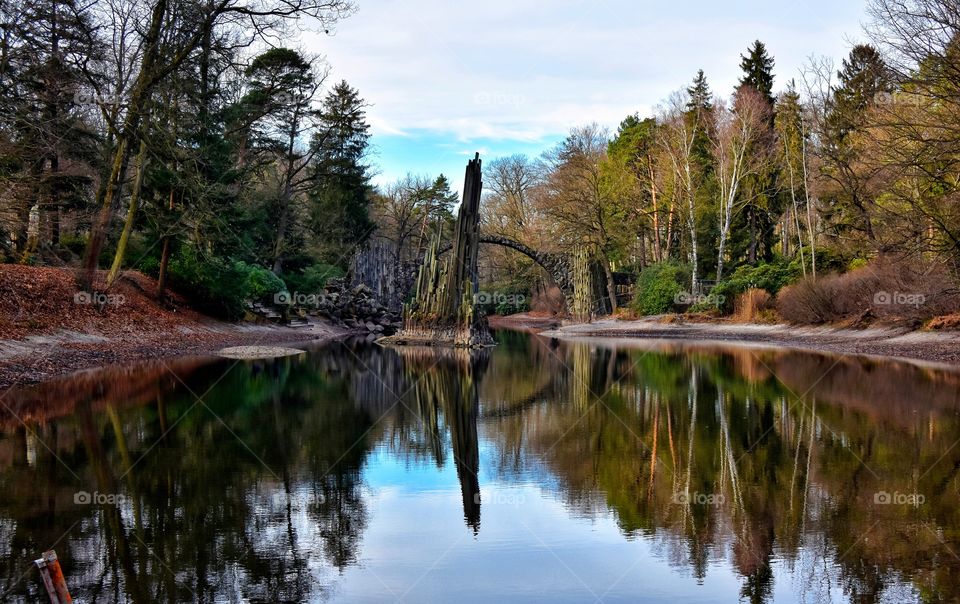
(181, 138)
(849, 167)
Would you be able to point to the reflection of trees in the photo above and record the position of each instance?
(672, 427)
(267, 504)
(250, 495)
(253, 506)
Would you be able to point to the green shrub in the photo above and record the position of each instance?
(659, 286)
(857, 263)
(769, 277)
(221, 286)
(75, 243)
(313, 278)
(259, 284)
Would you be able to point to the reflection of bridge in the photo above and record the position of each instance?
(558, 266)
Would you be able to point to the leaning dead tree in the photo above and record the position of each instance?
(443, 310)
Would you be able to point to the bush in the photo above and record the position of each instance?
(886, 288)
(77, 244)
(313, 278)
(770, 278)
(659, 286)
(220, 287)
(259, 283)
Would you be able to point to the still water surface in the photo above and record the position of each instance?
(541, 471)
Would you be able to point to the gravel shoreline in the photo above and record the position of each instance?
(43, 357)
(942, 348)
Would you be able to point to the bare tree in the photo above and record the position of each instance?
(740, 151)
(677, 137)
(578, 201)
(398, 211)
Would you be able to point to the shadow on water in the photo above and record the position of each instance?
(802, 476)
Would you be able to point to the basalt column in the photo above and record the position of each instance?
(443, 310)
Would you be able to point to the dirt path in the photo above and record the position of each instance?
(932, 347)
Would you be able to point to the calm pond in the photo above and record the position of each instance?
(541, 470)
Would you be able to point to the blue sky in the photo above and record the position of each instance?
(447, 78)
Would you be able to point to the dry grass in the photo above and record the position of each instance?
(891, 290)
(945, 322)
(753, 306)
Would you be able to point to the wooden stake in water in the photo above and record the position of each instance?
(53, 578)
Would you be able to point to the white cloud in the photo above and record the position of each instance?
(526, 70)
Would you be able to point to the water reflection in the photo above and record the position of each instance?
(764, 475)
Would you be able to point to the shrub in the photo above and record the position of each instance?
(218, 286)
(659, 286)
(77, 244)
(886, 288)
(808, 301)
(313, 278)
(259, 283)
(503, 300)
(768, 277)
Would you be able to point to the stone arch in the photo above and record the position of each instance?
(557, 266)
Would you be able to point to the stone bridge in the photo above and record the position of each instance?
(557, 266)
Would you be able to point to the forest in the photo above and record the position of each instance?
(193, 141)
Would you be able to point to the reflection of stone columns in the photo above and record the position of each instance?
(445, 380)
(466, 451)
(582, 363)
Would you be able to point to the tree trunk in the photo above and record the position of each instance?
(164, 258)
(131, 214)
(657, 250)
(806, 194)
(611, 285)
(138, 97)
(692, 225)
(54, 212)
(281, 239)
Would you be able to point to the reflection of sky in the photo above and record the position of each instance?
(530, 546)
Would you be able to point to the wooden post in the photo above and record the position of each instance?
(53, 578)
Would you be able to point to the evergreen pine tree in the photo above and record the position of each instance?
(342, 194)
(700, 95)
(757, 222)
(700, 113)
(757, 69)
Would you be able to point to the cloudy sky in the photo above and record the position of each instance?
(447, 78)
